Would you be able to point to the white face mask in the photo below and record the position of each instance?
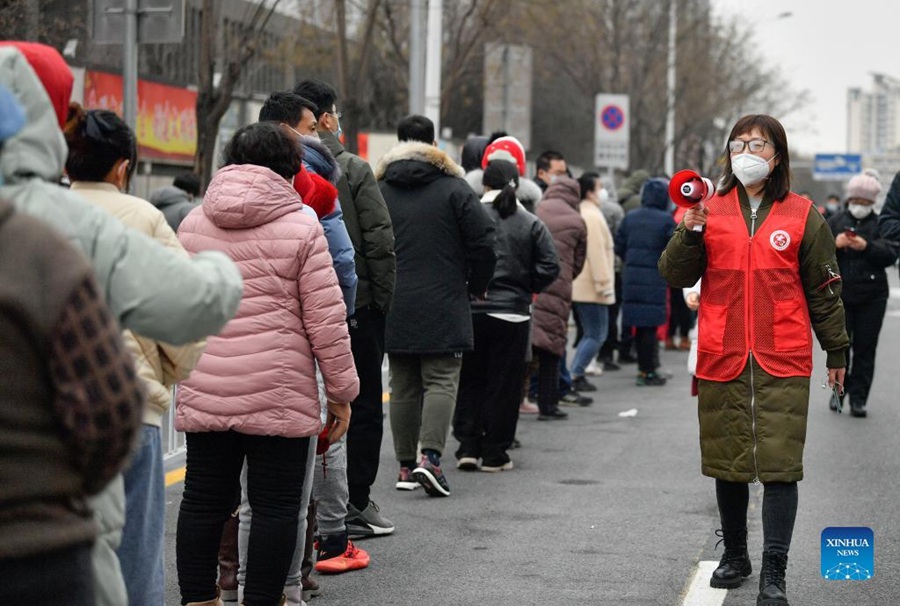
(860, 211)
(750, 169)
(554, 179)
(603, 195)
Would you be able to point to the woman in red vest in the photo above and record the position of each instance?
(767, 260)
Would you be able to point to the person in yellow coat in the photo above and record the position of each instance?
(593, 290)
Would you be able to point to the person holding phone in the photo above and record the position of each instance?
(767, 259)
(862, 255)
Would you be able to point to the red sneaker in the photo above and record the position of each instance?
(352, 559)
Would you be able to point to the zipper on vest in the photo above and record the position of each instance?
(753, 420)
(752, 221)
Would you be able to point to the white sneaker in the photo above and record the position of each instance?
(594, 369)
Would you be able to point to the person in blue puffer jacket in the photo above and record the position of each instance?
(640, 240)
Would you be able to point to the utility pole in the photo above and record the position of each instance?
(130, 65)
(417, 15)
(670, 91)
(433, 64)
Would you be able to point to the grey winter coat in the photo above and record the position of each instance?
(174, 203)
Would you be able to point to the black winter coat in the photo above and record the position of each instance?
(526, 263)
(444, 243)
(889, 219)
(642, 236)
(863, 272)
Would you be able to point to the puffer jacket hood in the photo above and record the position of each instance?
(39, 148)
(413, 164)
(655, 194)
(245, 195)
(632, 184)
(472, 151)
(53, 72)
(320, 159)
(567, 190)
(168, 195)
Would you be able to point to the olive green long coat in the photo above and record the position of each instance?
(754, 426)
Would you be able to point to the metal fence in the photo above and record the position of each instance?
(172, 441)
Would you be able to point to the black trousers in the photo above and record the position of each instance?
(647, 348)
(548, 380)
(490, 389)
(779, 511)
(276, 467)
(367, 419)
(864, 322)
(681, 318)
(64, 576)
(612, 335)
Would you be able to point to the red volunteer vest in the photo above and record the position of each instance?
(752, 299)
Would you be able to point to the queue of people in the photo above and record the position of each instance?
(272, 302)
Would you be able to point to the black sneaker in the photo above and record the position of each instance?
(368, 522)
(573, 398)
(645, 379)
(582, 384)
(609, 365)
(554, 415)
(431, 478)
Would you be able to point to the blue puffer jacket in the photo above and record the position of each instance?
(319, 160)
(642, 236)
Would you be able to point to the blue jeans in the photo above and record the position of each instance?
(141, 551)
(594, 322)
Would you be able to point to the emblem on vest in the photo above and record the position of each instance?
(780, 240)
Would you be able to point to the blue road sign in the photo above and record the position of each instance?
(836, 167)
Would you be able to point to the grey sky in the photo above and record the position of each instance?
(825, 48)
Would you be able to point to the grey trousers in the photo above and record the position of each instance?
(330, 489)
(423, 395)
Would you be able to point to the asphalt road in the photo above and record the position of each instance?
(611, 510)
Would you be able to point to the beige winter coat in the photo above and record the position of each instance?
(596, 282)
(158, 364)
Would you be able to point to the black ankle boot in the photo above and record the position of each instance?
(771, 580)
(735, 563)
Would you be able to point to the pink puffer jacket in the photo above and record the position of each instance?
(258, 375)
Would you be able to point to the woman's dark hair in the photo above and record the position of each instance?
(778, 183)
(97, 139)
(587, 182)
(502, 175)
(265, 144)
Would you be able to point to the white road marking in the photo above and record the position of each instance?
(700, 593)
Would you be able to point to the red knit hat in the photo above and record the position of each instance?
(52, 71)
(505, 148)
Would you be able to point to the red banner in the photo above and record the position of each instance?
(166, 120)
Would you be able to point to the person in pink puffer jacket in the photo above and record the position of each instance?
(253, 393)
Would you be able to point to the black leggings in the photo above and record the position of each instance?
(778, 515)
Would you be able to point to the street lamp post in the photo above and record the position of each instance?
(670, 91)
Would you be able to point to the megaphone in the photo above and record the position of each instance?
(688, 189)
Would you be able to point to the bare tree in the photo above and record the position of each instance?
(350, 80)
(239, 45)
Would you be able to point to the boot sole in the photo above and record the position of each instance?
(721, 584)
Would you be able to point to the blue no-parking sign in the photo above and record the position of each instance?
(611, 129)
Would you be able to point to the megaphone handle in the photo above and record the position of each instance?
(698, 228)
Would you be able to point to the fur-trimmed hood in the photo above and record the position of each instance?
(412, 163)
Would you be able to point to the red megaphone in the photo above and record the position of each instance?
(687, 188)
